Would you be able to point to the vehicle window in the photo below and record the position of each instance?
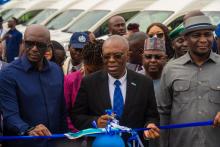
(7, 15)
(145, 18)
(62, 19)
(175, 23)
(103, 29)
(5, 11)
(87, 21)
(41, 16)
(29, 15)
(214, 16)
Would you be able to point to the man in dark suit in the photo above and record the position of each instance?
(98, 93)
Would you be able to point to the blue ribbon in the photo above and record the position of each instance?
(183, 125)
(55, 136)
(8, 138)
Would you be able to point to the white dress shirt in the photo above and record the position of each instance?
(123, 86)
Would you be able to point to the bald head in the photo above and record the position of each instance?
(114, 18)
(38, 33)
(116, 25)
(115, 55)
(117, 40)
(193, 13)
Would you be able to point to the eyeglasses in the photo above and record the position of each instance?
(150, 56)
(39, 45)
(116, 56)
(158, 35)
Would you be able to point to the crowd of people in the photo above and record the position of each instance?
(148, 79)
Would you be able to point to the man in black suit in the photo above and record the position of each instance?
(97, 93)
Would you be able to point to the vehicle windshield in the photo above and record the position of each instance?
(63, 19)
(87, 21)
(214, 16)
(41, 16)
(145, 18)
(11, 13)
(28, 16)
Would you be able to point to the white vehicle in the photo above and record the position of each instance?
(25, 10)
(161, 11)
(12, 8)
(70, 14)
(212, 10)
(95, 20)
(61, 21)
(44, 16)
(6, 7)
(51, 11)
(177, 18)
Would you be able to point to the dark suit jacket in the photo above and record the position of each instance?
(93, 99)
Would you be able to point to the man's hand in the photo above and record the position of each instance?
(217, 120)
(153, 133)
(102, 120)
(39, 130)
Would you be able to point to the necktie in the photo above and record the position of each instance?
(118, 99)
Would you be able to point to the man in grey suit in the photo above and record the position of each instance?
(98, 93)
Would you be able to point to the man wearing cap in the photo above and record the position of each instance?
(77, 43)
(13, 39)
(179, 43)
(154, 59)
(190, 87)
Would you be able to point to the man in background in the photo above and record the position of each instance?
(179, 43)
(131, 29)
(2, 43)
(136, 48)
(13, 40)
(77, 42)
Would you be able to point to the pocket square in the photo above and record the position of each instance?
(132, 83)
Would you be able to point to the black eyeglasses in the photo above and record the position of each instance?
(158, 35)
(116, 56)
(150, 56)
(39, 45)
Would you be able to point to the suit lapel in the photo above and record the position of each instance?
(104, 90)
(131, 90)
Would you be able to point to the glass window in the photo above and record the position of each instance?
(63, 19)
(5, 11)
(41, 16)
(145, 18)
(11, 13)
(175, 23)
(87, 21)
(29, 15)
(214, 16)
(103, 29)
